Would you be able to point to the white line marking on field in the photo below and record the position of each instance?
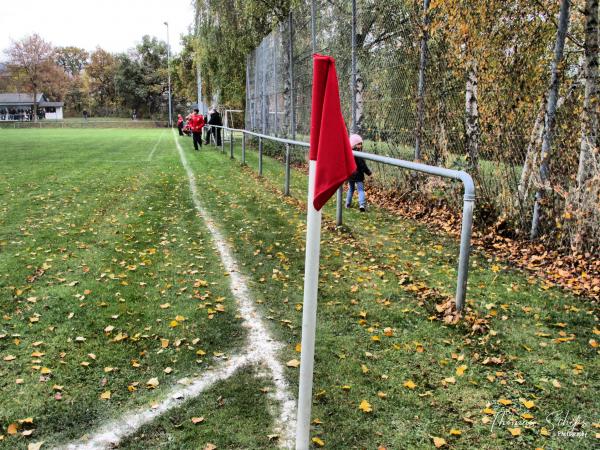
(259, 339)
(114, 431)
(156, 145)
(261, 348)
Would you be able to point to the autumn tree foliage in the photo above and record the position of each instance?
(30, 62)
(536, 75)
(227, 30)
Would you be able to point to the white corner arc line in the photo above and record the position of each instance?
(111, 433)
(260, 348)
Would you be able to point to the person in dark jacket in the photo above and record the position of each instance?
(214, 118)
(356, 180)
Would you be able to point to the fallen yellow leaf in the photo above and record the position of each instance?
(527, 403)
(515, 431)
(439, 442)
(152, 383)
(293, 363)
(460, 370)
(365, 407)
(318, 442)
(409, 384)
(105, 395)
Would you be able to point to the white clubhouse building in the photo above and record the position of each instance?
(20, 107)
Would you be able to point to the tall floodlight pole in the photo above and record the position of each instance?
(169, 73)
(198, 74)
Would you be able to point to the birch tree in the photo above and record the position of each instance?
(588, 174)
(472, 129)
(550, 115)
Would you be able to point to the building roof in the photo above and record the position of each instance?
(51, 104)
(16, 99)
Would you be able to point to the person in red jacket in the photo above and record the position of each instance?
(196, 124)
(180, 124)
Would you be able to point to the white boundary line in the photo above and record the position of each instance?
(259, 339)
(261, 348)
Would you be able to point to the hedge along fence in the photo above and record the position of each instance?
(413, 91)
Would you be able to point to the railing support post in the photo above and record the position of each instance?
(260, 155)
(465, 248)
(286, 188)
(338, 206)
(243, 149)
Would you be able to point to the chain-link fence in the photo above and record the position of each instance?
(410, 94)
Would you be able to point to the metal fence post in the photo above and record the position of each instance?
(353, 74)
(291, 74)
(274, 84)
(286, 188)
(231, 145)
(340, 192)
(313, 25)
(421, 86)
(255, 100)
(247, 113)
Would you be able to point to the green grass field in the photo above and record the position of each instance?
(109, 279)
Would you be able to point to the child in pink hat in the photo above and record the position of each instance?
(356, 180)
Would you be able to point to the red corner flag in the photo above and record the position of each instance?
(329, 143)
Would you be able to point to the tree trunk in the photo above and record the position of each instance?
(35, 104)
(473, 131)
(549, 119)
(589, 161)
(532, 155)
(359, 102)
(535, 139)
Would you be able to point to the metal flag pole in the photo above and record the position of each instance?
(169, 74)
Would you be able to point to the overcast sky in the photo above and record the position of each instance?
(114, 25)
